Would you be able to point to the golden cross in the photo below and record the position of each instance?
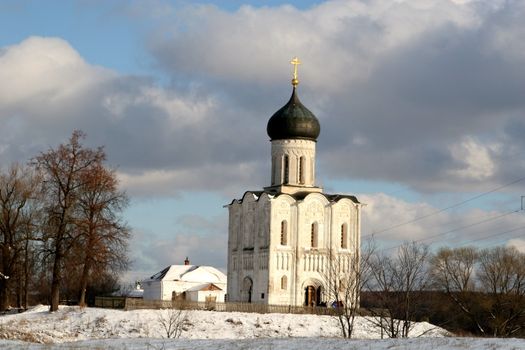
(295, 61)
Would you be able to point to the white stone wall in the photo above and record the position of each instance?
(248, 242)
(282, 271)
(314, 209)
(163, 290)
(282, 256)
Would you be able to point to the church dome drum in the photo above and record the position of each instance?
(293, 121)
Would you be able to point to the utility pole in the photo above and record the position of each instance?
(522, 203)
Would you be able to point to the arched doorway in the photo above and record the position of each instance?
(312, 295)
(246, 291)
(312, 292)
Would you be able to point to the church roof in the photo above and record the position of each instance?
(293, 121)
(300, 196)
(330, 197)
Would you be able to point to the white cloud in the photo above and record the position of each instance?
(182, 110)
(392, 221)
(172, 137)
(414, 92)
(339, 41)
(427, 94)
(518, 243)
(474, 159)
(205, 177)
(507, 33)
(44, 70)
(200, 238)
(383, 213)
(394, 84)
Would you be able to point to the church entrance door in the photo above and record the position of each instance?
(246, 291)
(312, 296)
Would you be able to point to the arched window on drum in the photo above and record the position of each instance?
(344, 236)
(284, 232)
(302, 170)
(314, 235)
(286, 167)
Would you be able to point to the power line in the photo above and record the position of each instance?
(493, 235)
(469, 225)
(459, 228)
(445, 209)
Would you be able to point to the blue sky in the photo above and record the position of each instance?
(420, 103)
(97, 30)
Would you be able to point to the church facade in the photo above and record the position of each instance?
(284, 240)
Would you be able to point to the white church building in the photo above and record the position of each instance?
(283, 239)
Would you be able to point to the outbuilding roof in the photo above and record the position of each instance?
(189, 273)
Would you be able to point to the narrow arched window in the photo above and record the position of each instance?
(286, 169)
(313, 235)
(312, 169)
(284, 282)
(344, 236)
(273, 171)
(302, 162)
(284, 232)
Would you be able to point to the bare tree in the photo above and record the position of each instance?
(453, 271)
(345, 277)
(488, 286)
(63, 172)
(17, 225)
(502, 279)
(398, 282)
(29, 257)
(172, 321)
(103, 237)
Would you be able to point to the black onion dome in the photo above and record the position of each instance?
(293, 121)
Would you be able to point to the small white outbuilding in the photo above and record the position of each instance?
(186, 282)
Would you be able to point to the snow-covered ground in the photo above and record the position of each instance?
(93, 328)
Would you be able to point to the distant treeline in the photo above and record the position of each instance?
(465, 290)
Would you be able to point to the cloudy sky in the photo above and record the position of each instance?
(421, 105)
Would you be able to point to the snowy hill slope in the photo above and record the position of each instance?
(93, 328)
(73, 323)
